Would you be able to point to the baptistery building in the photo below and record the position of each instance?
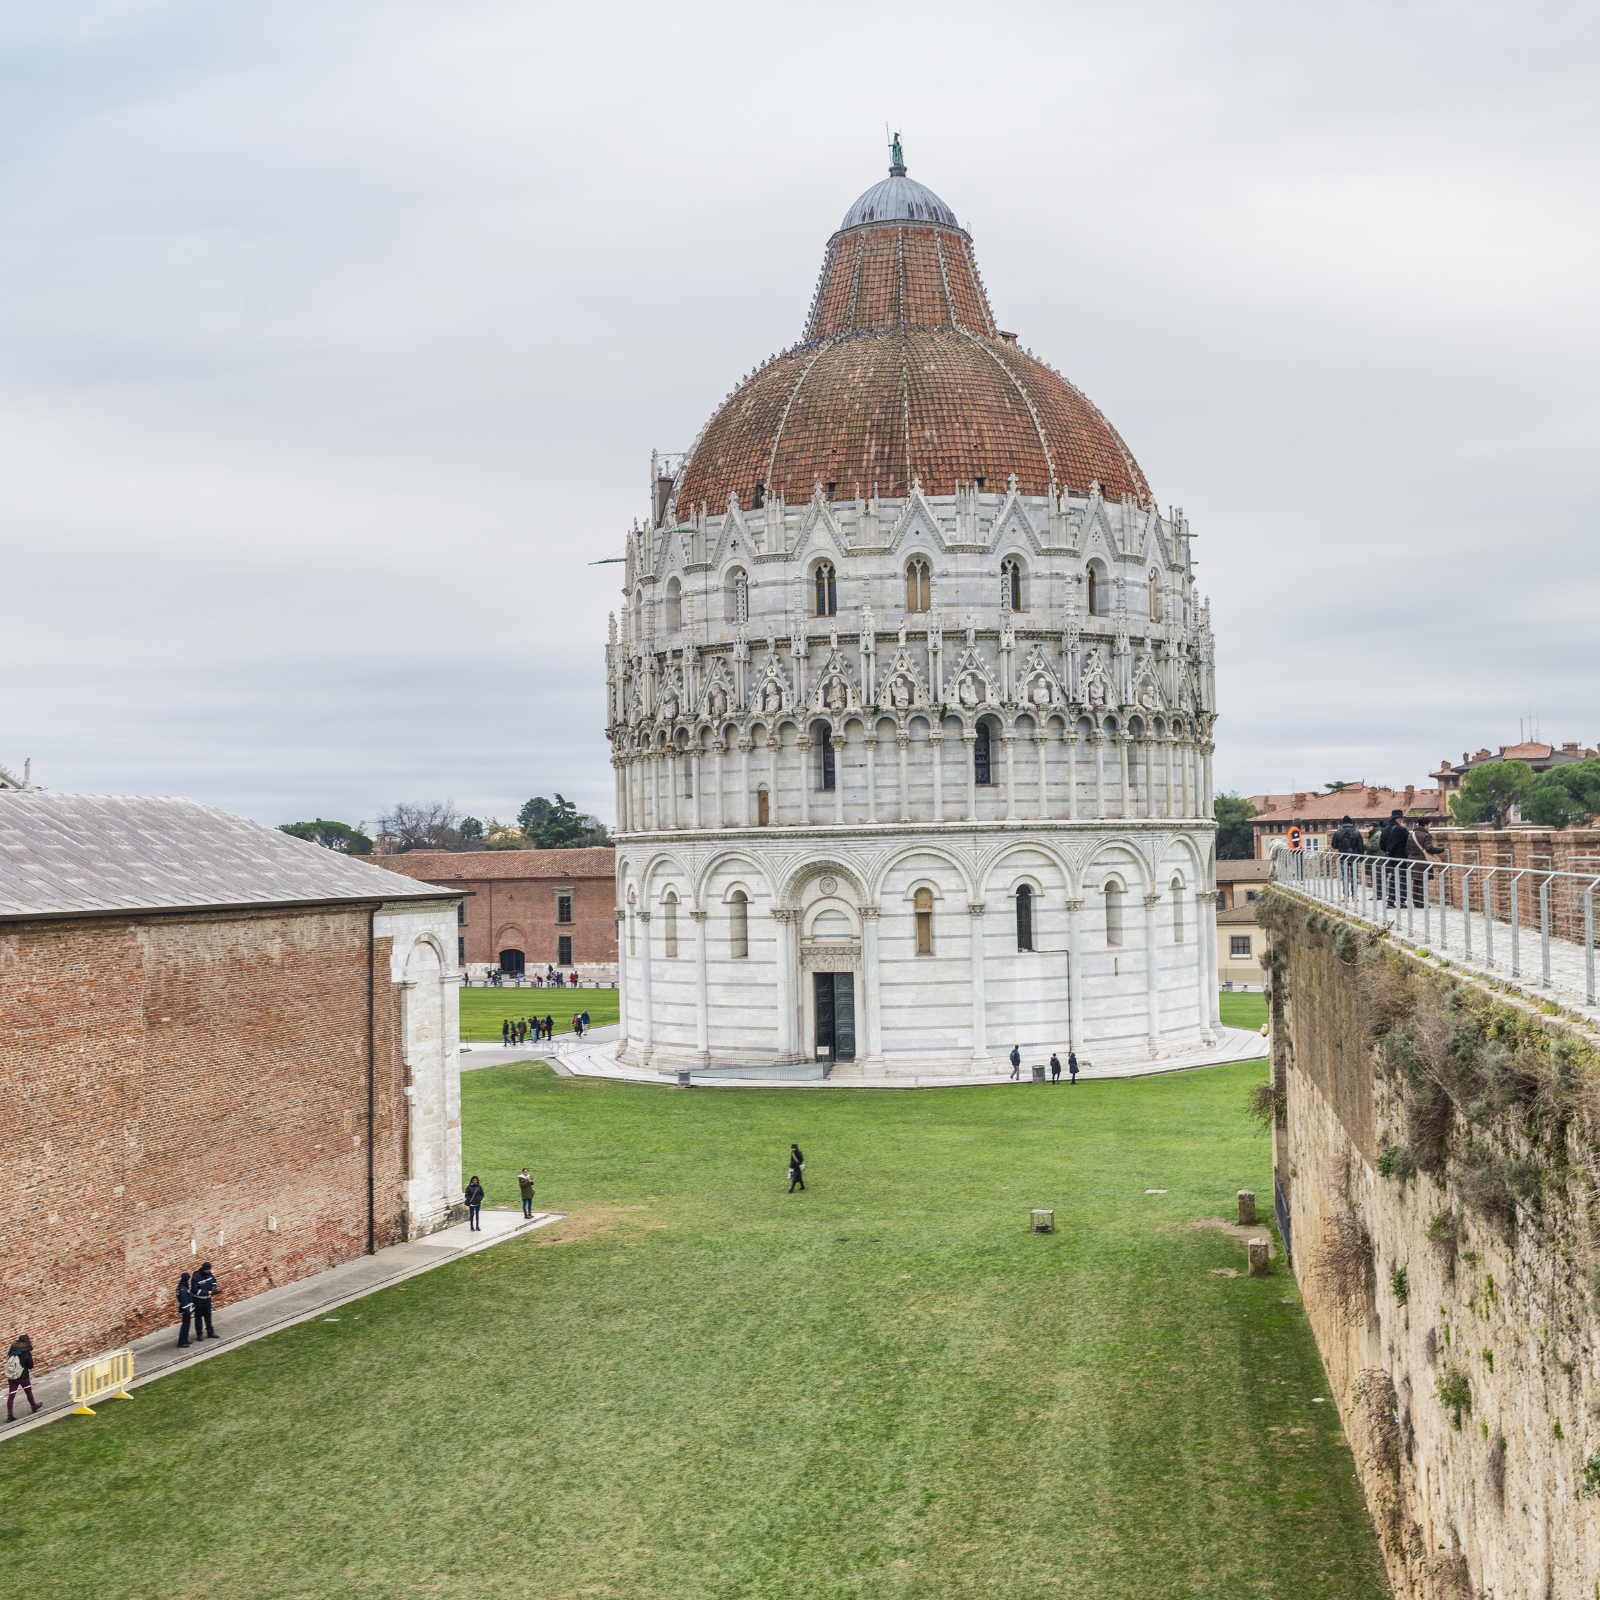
(910, 704)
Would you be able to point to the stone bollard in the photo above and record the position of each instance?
(1259, 1257)
(1247, 1208)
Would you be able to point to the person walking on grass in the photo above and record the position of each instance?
(1055, 1067)
(474, 1199)
(1016, 1063)
(525, 1183)
(1072, 1070)
(185, 1309)
(19, 1373)
(797, 1168)
(204, 1285)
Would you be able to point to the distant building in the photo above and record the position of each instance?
(1317, 816)
(526, 910)
(1240, 937)
(1541, 757)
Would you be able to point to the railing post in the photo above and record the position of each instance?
(1488, 917)
(1588, 940)
(1466, 908)
(1544, 933)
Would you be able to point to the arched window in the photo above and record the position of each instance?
(738, 596)
(1113, 913)
(1024, 917)
(1099, 595)
(1011, 584)
(918, 597)
(638, 616)
(923, 902)
(825, 758)
(1155, 596)
(980, 755)
(1177, 910)
(827, 591)
(669, 924)
(739, 926)
(763, 804)
(674, 606)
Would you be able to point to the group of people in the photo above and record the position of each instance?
(1394, 842)
(1055, 1065)
(518, 1030)
(548, 979)
(474, 1198)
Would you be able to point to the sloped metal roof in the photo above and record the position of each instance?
(74, 855)
(899, 200)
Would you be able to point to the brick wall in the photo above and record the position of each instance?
(1542, 851)
(188, 1088)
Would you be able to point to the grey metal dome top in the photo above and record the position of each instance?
(898, 199)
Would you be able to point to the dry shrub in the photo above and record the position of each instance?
(1448, 1578)
(1481, 1183)
(1346, 1265)
(1496, 1469)
(1267, 1103)
(1444, 1234)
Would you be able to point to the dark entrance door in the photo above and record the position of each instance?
(511, 962)
(836, 1014)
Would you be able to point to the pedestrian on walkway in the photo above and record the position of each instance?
(1016, 1063)
(1072, 1070)
(1348, 842)
(1395, 843)
(505, 1031)
(797, 1168)
(185, 1309)
(19, 1373)
(1055, 1067)
(474, 1198)
(586, 1019)
(549, 1027)
(525, 1183)
(204, 1285)
(577, 1026)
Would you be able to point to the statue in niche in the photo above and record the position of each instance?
(837, 698)
(1041, 692)
(900, 694)
(718, 703)
(972, 692)
(669, 704)
(1149, 696)
(771, 696)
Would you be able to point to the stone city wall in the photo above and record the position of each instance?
(1434, 1150)
(188, 1088)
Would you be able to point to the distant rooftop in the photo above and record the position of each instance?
(67, 855)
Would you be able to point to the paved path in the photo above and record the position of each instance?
(595, 1057)
(157, 1354)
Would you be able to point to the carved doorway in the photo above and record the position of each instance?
(835, 996)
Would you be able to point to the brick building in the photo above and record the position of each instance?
(219, 1043)
(1540, 757)
(527, 909)
(1317, 816)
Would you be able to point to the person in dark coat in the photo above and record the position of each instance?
(474, 1198)
(1347, 841)
(549, 1027)
(185, 1309)
(797, 1168)
(525, 1183)
(19, 1373)
(1055, 1067)
(1395, 843)
(204, 1285)
(505, 1031)
(1016, 1063)
(1072, 1070)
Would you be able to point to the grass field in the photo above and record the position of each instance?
(483, 1010)
(699, 1387)
(1243, 1010)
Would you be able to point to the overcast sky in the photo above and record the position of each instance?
(334, 341)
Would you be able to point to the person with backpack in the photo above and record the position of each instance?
(797, 1168)
(1016, 1063)
(204, 1285)
(549, 1027)
(19, 1374)
(505, 1032)
(1395, 843)
(1348, 842)
(185, 1309)
(474, 1199)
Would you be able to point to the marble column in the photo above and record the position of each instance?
(1125, 808)
(1009, 740)
(624, 994)
(902, 747)
(970, 740)
(1207, 803)
(1202, 963)
(695, 785)
(783, 917)
(1074, 975)
(1069, 740)
(870, 740)
(748, 808)
(936, 749)
(655, 790)
(672, 786)
(1152, 970)
(1097, 741)
(871, 1016)
(802, 743)
(717, 748)
(646, 1025)
(980, 1013)
(702, 1006)
(772, 779)
(1213, 986)
(1041, 743)
(1166, 799)
(839, 748)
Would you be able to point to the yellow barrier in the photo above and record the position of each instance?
(106, 1375)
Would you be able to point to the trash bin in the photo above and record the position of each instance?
(1038, 1074)
(683, 1079)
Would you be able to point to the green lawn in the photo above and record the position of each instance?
(483, 1010)
(1243, 1010)
(699, 1387)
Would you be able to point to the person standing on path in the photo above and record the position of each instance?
(204, 1285)
(19, 1373)
(1395, 843)
(505, 1031)
(525, 1183)
(797, 1168)
(1055, 1067)
(1072, 1070)
(549, 1027)
(1016, 1063)
(185, 1309)
(474, 1199)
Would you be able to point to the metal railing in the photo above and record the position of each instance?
(1463, 910)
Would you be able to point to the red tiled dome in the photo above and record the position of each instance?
(903, 374)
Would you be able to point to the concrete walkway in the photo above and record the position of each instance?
(594, 1057)
(157, 1354)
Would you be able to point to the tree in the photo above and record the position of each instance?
(1236, 839)
(559, 825)
(331, 836)
(1339, 784)
(1564, 797)
(429, 826)
(1487, 793)
(471, 829)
